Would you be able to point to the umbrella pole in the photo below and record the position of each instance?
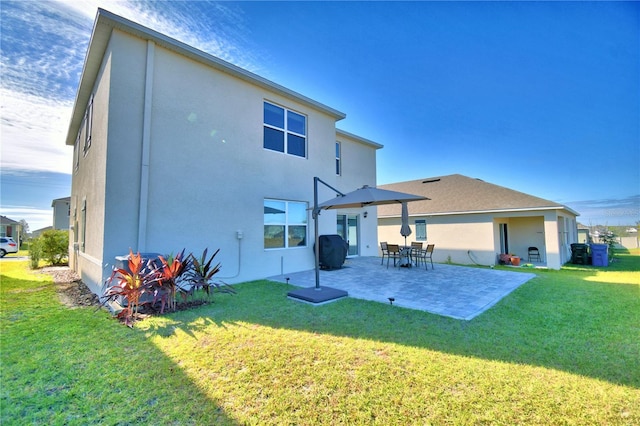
(316, 247)
(315, 213)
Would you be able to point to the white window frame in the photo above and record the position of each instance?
(76, 153)
(88, 124)
(338, 158)
(287, 223)
(287, 131)
(84, 225)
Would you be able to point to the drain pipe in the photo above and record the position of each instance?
(143, 205)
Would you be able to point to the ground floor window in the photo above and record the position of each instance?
(421, 230)
(84, 225)
(285, 224)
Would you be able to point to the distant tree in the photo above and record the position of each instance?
(35, 252)
(55, 246)
(24, 230)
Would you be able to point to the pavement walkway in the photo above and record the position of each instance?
(454, 291)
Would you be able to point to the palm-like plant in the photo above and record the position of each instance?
(161, 278)
(202, 272)
(171, 270)
(130, 284)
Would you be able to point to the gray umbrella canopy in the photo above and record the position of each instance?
(368, 196)
(365, 196)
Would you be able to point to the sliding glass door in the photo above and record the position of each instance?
(348, 229)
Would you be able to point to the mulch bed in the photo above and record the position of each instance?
(73, 293)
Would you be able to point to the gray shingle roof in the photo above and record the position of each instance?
(458, 194)
(6, 221)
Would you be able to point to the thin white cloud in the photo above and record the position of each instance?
(612, 211)
(37, 218)
(33, 130)
(43, 50)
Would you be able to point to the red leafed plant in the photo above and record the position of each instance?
(166, 287)
(131, 284)
(162, 278)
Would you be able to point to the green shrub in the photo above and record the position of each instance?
(55, 246)
(35, 252)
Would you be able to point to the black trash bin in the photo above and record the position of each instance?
(580, 254)
(333, 251)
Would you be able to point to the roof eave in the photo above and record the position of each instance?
(360, 139)
(106, 21)
(515, 210)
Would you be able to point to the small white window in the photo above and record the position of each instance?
(421, 230)
(88, 123)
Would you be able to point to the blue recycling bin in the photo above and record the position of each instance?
(599, 254)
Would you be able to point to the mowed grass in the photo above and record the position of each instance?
(562, 349)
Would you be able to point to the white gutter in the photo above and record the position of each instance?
(523, 209)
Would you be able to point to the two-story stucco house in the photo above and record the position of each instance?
(61, 213)
(175, 148)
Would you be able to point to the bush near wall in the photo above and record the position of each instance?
(52, 246)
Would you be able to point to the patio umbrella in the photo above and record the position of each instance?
(405, 230)
(368, 196)
(362, 197)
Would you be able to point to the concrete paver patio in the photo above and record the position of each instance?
(453, 291)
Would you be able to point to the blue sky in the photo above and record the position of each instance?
(540, 97)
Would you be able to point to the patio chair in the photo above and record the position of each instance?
(532, 254)
(393, 251)
(416, 248)
(427, 254)
(385, 250)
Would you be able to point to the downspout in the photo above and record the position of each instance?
(146, 142)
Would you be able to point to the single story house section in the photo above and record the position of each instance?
(471, 221)
(175, 148)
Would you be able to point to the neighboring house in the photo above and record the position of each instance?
(61, 213)
(175, 148)
(10, 228)
(583, 234)
(472, 221)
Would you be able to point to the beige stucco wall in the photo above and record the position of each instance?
(453, 236)
(475, 238)
(358, 169)
(88, 187)
(208, 171)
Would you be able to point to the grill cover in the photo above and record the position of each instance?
(333, 251)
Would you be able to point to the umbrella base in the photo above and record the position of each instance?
(317, 296)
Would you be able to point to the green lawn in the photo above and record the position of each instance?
(562, 349)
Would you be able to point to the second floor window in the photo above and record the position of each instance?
(338, 158)
(285, 130)
(88, 124)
